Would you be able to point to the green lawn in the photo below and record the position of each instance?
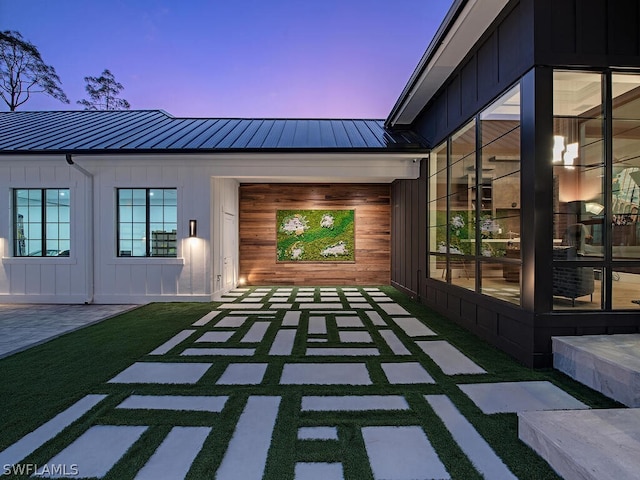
(42, 381)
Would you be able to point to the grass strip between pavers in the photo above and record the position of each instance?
(41, 382)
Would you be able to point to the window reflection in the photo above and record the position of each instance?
(42, 222)
(482, 198)
(147, 222)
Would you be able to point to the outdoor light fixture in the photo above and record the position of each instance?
(193, 228)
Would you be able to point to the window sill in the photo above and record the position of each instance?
(146, 261)
(39, 260)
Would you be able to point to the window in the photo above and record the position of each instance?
(41, 222)
(474, 203)
(578, 159)
(147, 222)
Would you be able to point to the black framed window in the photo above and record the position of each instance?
(41, 222)
(147, 222)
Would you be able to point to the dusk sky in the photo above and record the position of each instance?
(233, 58)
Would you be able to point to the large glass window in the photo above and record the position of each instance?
(625, 190)
(147, 222)
(578, 158)
(437, 211)
(462, 201)
(499, 222)
(474, 203)
(41, 224)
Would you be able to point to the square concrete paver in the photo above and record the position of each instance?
(243, 374)
(231, 322)
(229, 352)
(482, 456)
(246, 456)
(353, 403)
(355, 337)
(414, 327)
(318, 471)
(256, 333)
(510, 397)
(325, 374)
(191, 403)
(155, 372)
(45, 432)
(349, 322)
(395, 344)
(377, 320)
(402, 453)
(406, 373)
(174, 456)
(450, 360)
(318, 433)
(215, 337)
(291, 319)
(97, 450)
(394, 309)
(345, 352)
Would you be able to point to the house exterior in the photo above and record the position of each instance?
(99, 205)
(502, 190)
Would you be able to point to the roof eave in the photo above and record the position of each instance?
(461, 28)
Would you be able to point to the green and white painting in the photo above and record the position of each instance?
(315, 235)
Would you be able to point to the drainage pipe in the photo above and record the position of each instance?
(89, 220)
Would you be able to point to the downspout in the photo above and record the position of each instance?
(91, 222)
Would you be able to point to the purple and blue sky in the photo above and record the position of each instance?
(233, 58)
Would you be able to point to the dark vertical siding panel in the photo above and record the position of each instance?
(469, 87)
(488, 65)
(591, 37)
(422, 222)
(454, 109)
(563, 26)
(597, 33)
(396, 233)
(623, 27)
(406, 258)
(416, 210)
(440, 109)
(509, 44)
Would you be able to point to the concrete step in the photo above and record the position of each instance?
(609, 364)
(585, 444)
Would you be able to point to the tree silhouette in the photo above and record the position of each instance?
(103, 91)
(23, 72)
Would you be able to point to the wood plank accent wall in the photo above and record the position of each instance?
(258, 205)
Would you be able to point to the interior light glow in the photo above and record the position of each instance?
(594, 208)
(570, 155)
(558, 148)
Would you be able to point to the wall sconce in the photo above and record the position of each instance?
(193, 228)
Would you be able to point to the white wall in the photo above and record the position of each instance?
(207, 192)
(97, 274)
(38, 279)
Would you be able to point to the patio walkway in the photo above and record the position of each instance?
(346, 375)
(23, 326)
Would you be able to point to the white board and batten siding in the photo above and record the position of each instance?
(93, 272)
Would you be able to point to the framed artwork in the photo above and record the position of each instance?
(315, 236)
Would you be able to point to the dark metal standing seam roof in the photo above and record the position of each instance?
(155, 131)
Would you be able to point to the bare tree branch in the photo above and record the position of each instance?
(103, 91)
(23, 72)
